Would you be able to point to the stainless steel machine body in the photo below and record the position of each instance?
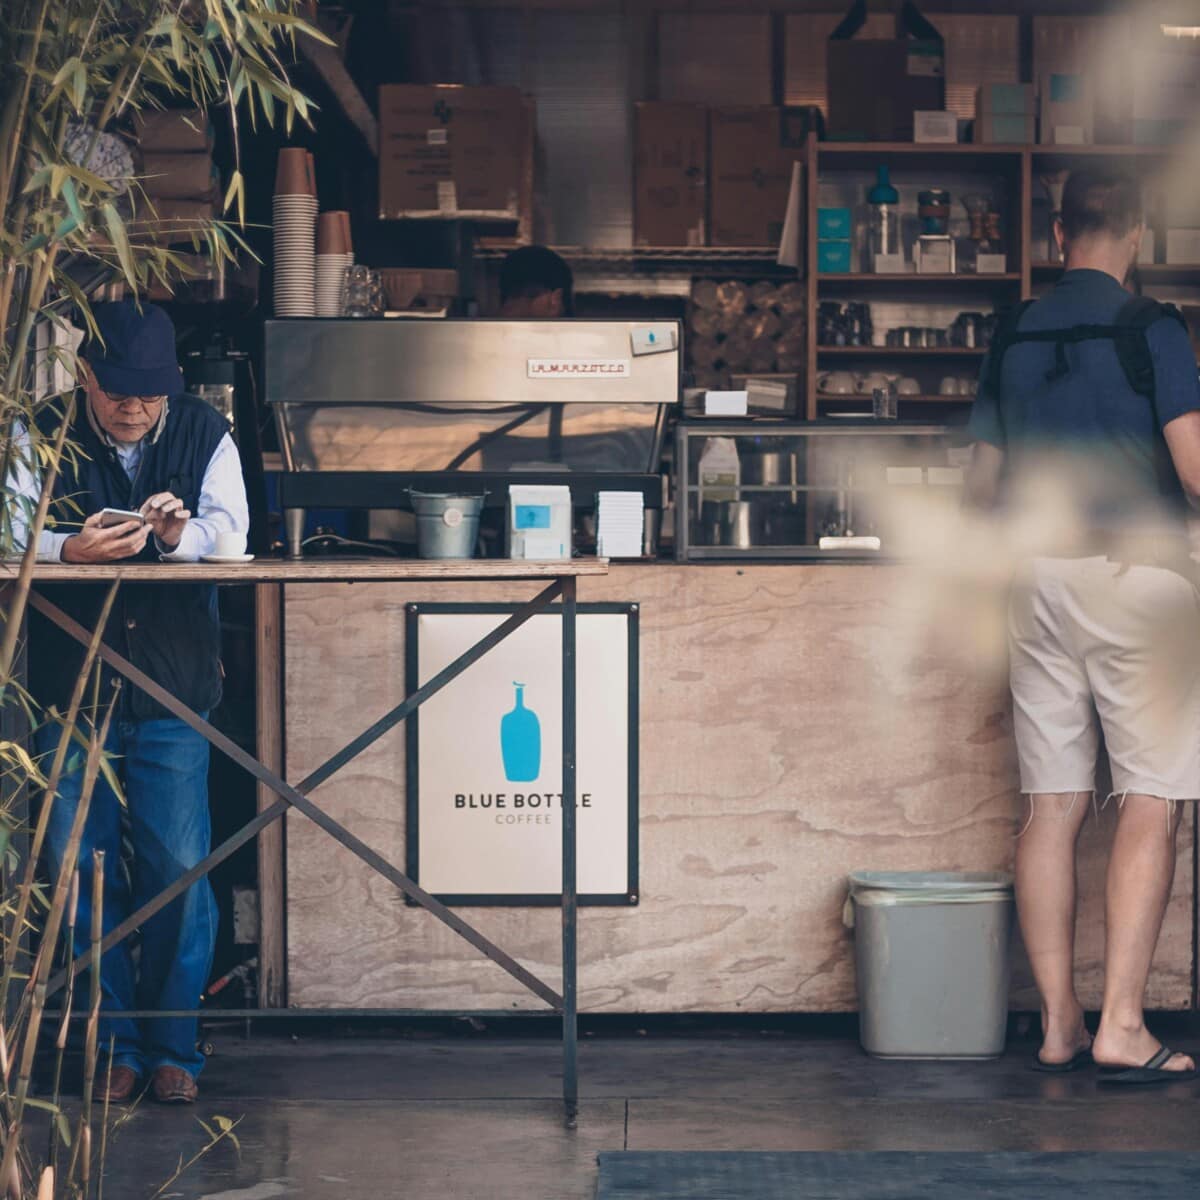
(366, 409)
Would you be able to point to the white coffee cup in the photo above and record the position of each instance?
(869, 384)
(229, 545)
(837, 383)
(908, 386)
(949, 386)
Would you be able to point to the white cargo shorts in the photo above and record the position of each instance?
(1097, 646)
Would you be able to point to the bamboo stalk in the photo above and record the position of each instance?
(16, 610)
(25, 890)
(60, 1042)
(15, 110)
(45, 955)
(81, 1154)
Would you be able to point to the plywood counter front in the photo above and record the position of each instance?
(788, 737)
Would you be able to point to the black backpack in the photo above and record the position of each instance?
(1127, 333)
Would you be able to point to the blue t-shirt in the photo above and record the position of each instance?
(1089, 421)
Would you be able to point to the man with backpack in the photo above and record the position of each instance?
(1087, 431)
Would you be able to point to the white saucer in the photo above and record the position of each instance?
(227, 558)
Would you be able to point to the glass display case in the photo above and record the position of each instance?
(858, 489)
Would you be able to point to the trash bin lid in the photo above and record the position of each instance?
(931, 885)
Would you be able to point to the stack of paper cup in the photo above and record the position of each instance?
(295, 213)
(334, 255)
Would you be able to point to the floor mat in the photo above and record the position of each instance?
(894, 1175)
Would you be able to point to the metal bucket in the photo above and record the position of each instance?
(447, 525)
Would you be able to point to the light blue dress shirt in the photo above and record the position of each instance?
(222, 507)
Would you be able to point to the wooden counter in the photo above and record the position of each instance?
(333, 570)
(798, 723)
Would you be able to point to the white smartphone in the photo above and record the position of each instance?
(119, 516)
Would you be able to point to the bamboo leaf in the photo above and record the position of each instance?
(120, 239)
(72, 199)
(65, 227)
(236, 190)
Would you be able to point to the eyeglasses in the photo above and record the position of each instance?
(147, 402)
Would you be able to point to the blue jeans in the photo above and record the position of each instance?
(163, 766)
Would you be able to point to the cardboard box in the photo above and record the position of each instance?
(173, 131)
(875, 86)
(833, 258)
(1007, 99)
(751, 152)
(451, 150)
(670, 177)
(1066, 110)
(1007, 129)
(936, 127)
(1183, 246)
(524, 234)
(1166, 96)
(179, 176)
(715, 58)
(835, 224)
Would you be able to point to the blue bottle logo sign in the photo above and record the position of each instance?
(521, 741)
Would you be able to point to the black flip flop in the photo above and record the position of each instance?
(1081, 1060)
(1151, 1072)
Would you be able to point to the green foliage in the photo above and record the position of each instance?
(73, 75)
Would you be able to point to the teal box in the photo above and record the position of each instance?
(1008, 99)
(834, 224)
(833, 258)
(1163, 132)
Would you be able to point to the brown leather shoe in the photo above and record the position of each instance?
(114, 1084)
(173, 1085)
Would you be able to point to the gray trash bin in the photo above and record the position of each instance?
(932, 954)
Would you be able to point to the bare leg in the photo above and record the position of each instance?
(1140, 873)
(1045, 872)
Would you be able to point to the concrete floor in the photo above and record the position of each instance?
(354, 1118)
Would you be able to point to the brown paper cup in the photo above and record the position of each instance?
(331, 233)
(292, 172)
(347, 240)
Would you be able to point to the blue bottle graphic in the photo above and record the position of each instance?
(521, 741)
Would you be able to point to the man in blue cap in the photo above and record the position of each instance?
(146, 447)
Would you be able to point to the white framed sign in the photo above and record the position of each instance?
(484, 759)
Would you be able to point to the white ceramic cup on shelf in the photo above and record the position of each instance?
(869, 384)
(837, 383)
(229, 544)
(907, 386)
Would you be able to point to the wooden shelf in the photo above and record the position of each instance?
(830, 398)
(900, 352)
(649, 255)
(1046, 150)
(904, 155)
(873, 278)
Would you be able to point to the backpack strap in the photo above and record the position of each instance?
(1132, 343)
(1127, 333)
(1006, 335)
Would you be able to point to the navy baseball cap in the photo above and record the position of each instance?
(135, 355)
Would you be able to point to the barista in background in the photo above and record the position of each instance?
(536, 282)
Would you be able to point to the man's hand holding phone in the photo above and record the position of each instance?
(166, 516)
(106, 538)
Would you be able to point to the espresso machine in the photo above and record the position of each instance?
(368, 410)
